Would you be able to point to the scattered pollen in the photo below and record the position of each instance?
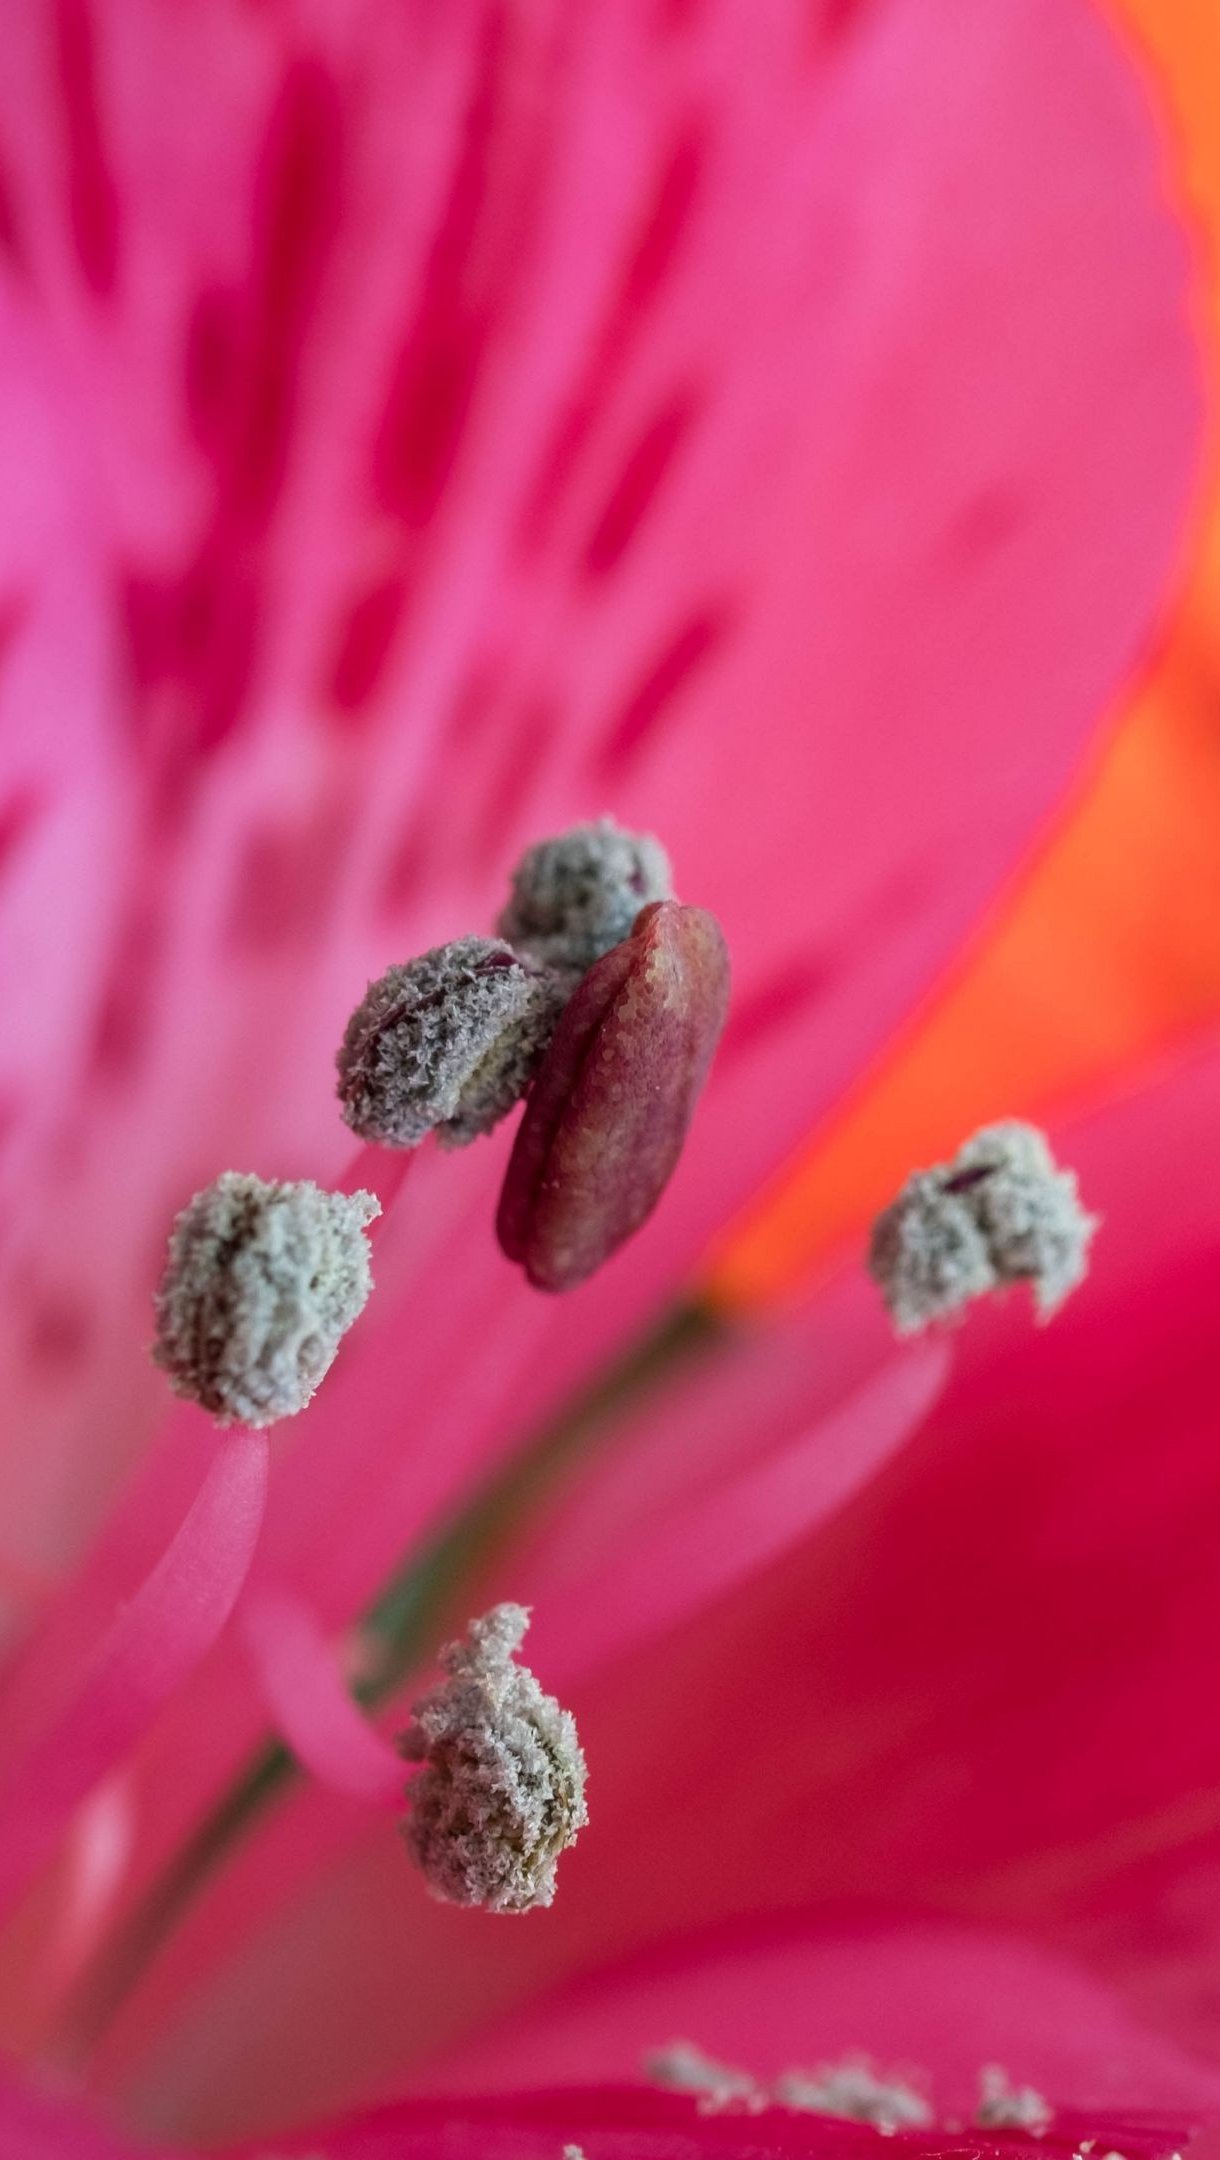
(502, 1790)
(1001, 1212)
(853, 2090)
(685, 2068)
(1005, 2106)
(577, 896)
(447, 1043)
(262, 1282)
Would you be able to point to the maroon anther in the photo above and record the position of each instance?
(608, 1112)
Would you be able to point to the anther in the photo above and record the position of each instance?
(854, 2091)
(1001, 1212)
(1005, 2106)
(447, 1043)
(683, 2067)
(262, 1282)
(577, 896)
(502, 1788)
(614, 1095)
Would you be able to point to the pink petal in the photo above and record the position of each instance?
(151, 1650)
(981, 1688)
(322, 352)
(309, 1701)
(97, 1856)
(37, 2126)
(977, 1687)
(461, 420)
(622, 2123)
(940, 1998)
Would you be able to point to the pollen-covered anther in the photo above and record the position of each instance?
(856, 2092)
(447, 1043)
(261, 1284)
(575, 897)
(1005, 2106)
(717, 2086)
(1001, 1212)
(502, 1789)
(614, 1096)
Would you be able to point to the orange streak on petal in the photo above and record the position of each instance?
(1110, 949)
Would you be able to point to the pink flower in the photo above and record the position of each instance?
(427, 426)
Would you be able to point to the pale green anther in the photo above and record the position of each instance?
(446, 1043)
(576, 896)
(717, 2086)
(1001, 1212)
(261, 1284)
(502, 1789)
(855, 2092)
(1005, 2106)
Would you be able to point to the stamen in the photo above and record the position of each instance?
(577, 895)
(502, 1791)
(1001, 1212)
(447, 1044)
(853, 2090)
(262, 1282)
(1005, 2106)
(608, 1114)
(307, 1694)
(685, 2068)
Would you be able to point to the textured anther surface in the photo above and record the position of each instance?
(1005, 2106)
(262, 1282)
(856, 2092)
(447, 1043)
(1001, 1212)
(502, 1790)
(683, 2067)
(577, 896)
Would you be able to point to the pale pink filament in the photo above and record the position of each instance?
(307, 1699)
(693, 1553)
(152, 1648)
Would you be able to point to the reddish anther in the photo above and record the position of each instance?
(608, 1111)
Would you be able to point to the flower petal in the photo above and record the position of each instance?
(940, 1999)
(624, 2123)
(503, 416)
(37, 2126)
(976, 1688)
